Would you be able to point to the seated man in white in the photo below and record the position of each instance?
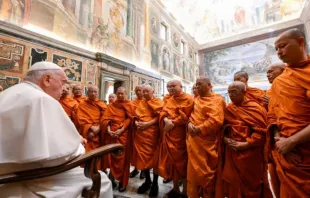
(35, 132)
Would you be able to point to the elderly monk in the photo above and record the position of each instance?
(41, 135)
(112, 98)
(167, 96)
(204, 126)
(172, 122)
(273, 72)
(77, 91)
(245, 170)
(1, 89)
(135, 103)
(194, 90)
(69, 104)
(251, 92)
(88, 115)
(146, 139)
(288, 115)
(115, 124)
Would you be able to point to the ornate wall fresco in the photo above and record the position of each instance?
(17, 11)
(253, 58)
(90, 77)
(37, 55)
(11, 56)
(72, 68)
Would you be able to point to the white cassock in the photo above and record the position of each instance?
(36, 132)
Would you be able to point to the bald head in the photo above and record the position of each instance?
(291, 47)
(92, 92)
(168, 83)
(203, 86)
(194, 90)
(236, 92)
(138, 91)
(77, 91)
(121, 93)
(175, 87)
(241, 76)
(274, 71)
(112, 98)
(148, 92)
(49, 77)
(1, 88)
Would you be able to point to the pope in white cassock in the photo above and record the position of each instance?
(36, 132)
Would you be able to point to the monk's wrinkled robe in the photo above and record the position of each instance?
(70, 106)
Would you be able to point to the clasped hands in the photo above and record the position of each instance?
(193, 130)
(93, 130)
(168, 125)
(285, 146)
(116, 133)
(235, 145)
(142, 125)
(265, 99)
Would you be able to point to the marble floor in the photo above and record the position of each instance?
(134, 184)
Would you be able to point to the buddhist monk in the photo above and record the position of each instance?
(273, 71)
(146, 139)
(289, 110)
(78, 93)
(115, 124)
(194, 90)
(112, 98)
(172, 122)
(204, 126)
(135, 103)
(251, 92)
(69, 104)
(167, 96)
(88, 115)
(1, 89)
(245, 170)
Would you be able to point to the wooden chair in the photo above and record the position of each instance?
(89, 160)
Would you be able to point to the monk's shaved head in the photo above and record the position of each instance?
(241, 76)
(149, 88)
(92, 92)
(138, 91)
(203, 86)
(121, 93)
(194, 90)
(77, 90)
(239, 85)
(291, 47)
(236, 92)
(112, 98)
(148, 92)
(274, 71)
(175, 87)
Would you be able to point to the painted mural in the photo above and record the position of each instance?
(176, 40)
(37, 55)
(166, 59)
(177, 70)
(8, 81)
(254, 58)
(72, 68)
(91, 73)
(15, 11)
(154, 25)
(11, 56)
(154, 55)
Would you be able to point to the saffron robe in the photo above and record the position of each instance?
(166, 98)
(289, 110)
(255, 94)
(146, 142)
(208, 115)
(173, 152)
(246, 171)
(80, 99)
(118, 114)
(70, 106)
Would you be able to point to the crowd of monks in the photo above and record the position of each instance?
(210, 148)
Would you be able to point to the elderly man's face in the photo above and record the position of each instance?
(112, 98)
(77, 91)
(53, 83)
(147, 93)
(121, 94)
(236, 94)
(138, 91)
(241, 79)
(92, 93)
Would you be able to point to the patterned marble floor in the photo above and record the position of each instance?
(133, 185)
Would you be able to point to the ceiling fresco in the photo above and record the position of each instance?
(209, 20)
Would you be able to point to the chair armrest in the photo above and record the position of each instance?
(45, 172)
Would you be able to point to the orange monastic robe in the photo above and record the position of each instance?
(173, 153)
(146, 143)
(289, 109)
(256, 94)
(70, 106)
(80, 99)
(118, 115)
(89, 114)
(268, 92)
(246, 171)
(135, 103)
(166, 98)
(208, 114)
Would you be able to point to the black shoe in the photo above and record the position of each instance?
(172, 194)
(142, 175)
(144, 187)
(134, 173)
(120, 188)
(154, 191)
(114, 184)
(183, 196)
(165, 181)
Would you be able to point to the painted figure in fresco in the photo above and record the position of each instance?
(100, 36)
(12, 10)
(154, 53)
(154, 25)
(176, 40)
(69, 5)
(166, 60)
(177, 68)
